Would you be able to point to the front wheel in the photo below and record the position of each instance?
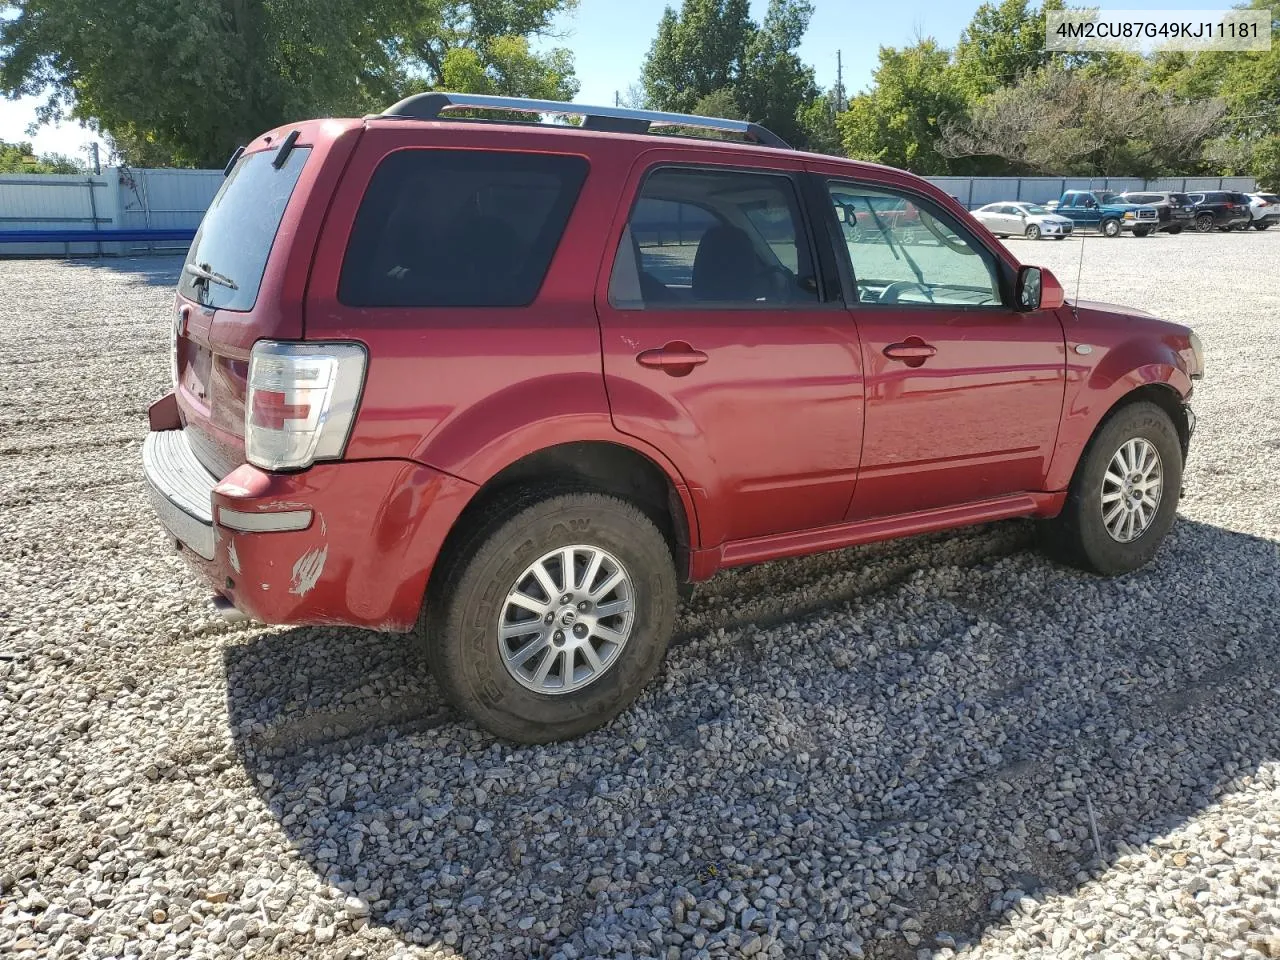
(1261, 225)
(1141, 232)
(1174, 231)
(1110, 228)
(553, 616)
(1204, 222)
(1033, 232)
(1124, 496)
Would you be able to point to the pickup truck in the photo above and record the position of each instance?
(1107, 213)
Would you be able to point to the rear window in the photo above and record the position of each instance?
(458, 228)
(229, 254)
(1179, 198)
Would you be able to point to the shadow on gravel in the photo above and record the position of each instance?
(890, 773)
(155, 271)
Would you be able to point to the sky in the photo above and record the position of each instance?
(609, 39)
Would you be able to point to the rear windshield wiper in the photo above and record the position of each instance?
(210, 276)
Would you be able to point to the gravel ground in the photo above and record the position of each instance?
(940, 747)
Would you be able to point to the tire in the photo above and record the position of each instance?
(1261, 225)
(1141, 232)
(1033, 232)
(1174, 231)
(1079, 535)
(460, 631)
(1204, 222)
(1110, 228)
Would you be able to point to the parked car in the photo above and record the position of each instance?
(514, 387)
(1176, 210)
(1106, 213)
(1016, 218)
(1223, 209)
(1264, 209)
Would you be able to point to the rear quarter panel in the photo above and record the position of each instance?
(470, 390)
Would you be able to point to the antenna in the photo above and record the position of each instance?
(1080, 264)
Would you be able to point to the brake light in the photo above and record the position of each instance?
(301, 403)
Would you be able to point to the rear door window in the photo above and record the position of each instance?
(714, 238)
(458, 228)
(229, 254)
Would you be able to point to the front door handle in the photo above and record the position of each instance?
(913, 348)
(677, 358)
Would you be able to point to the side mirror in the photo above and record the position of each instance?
(1038, 289)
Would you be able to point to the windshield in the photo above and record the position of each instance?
(1036, 210)
(229, 254)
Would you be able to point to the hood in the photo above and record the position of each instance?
(1115, 309)
(1122, 205)
(1049, 218)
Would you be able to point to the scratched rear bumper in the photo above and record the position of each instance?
(376, 527)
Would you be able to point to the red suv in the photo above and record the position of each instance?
(512, 386)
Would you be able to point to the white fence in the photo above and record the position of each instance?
(128, 198)
(976, 192)
(117, 198)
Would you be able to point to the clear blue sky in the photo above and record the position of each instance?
(609, 39)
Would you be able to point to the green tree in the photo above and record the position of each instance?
(821, 134)
(899, 121)
(21, 158)
(711, 56)
(699, 51)
(186, 81)
(1249, 84)
(777, 86)
(1085, 122)
(1003, 42)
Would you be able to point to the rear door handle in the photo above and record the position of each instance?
(677, 358)
(913, 348)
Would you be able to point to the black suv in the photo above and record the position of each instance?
(1224, 209)
(1177, 212)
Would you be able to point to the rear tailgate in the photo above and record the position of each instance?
(245, 277)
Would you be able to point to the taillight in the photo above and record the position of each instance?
(301, 402)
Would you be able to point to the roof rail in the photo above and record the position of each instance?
(430, 106)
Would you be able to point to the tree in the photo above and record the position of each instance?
(1003, 42)
(713, 56)
(777, 86)
(1249, 84)
(899, 121)
(21, 158)
(818, 118)
(697, 52)
(188, 81)
(1085, 122)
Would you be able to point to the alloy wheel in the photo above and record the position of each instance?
(1131, 490)
(566, 619)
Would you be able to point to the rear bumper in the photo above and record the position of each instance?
(372, 532)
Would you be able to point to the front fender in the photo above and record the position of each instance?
(1094, 390)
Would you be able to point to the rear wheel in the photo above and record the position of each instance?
(1174, 231)
(1124, 496)
(1141, 232)
(1033, 232)
(553, 616)
(1261, 225)
(1110, 228)
(1204, 222)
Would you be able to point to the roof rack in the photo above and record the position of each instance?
(430, 106)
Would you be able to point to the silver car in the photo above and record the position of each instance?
(1017, 218)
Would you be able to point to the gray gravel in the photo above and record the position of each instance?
(887, 752)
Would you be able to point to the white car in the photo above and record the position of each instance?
(1264, 210)
(1016, 218)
